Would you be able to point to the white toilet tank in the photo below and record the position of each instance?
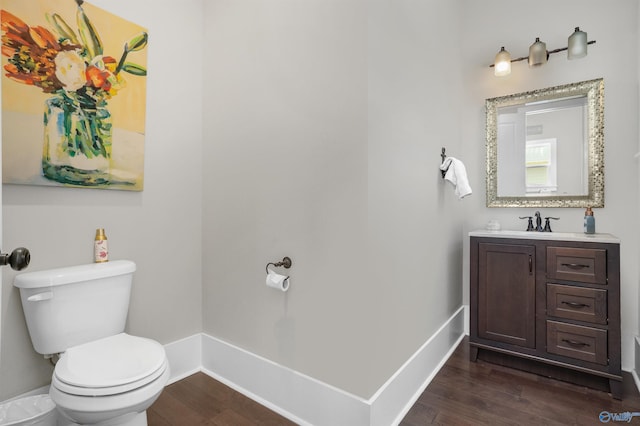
(69, 306)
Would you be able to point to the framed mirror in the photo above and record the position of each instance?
(545, 148)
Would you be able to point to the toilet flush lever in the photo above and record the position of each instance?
(18, 259)
(47, 295)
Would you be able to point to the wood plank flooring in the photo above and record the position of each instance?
(462, 393)
(200, 400)
(480, 393)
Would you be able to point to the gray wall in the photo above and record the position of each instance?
(286, 145)
(614, 25)
(415, 219)
(322, 141)
(159, 228)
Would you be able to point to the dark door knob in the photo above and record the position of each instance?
(18, 259)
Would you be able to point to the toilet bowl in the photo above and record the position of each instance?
(111, 381)
(103, 376)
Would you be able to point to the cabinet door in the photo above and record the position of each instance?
(506, 293)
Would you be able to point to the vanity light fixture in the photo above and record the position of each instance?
(577, 44)
(538, 53)
(503, 63)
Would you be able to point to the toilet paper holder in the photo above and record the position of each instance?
(286, 263)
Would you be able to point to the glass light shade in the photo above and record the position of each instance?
(502, 65)
(577, 44)
(538, 53)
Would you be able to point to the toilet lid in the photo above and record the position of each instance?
(111, 362)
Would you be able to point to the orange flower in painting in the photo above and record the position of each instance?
(98, 77)
(32, 52)
(101, 75)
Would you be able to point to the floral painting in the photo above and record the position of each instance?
(73, 95)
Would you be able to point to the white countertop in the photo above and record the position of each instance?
(559, 236)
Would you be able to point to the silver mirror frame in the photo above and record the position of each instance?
(594, 90)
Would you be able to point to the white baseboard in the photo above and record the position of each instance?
(300, 398)
(185, 357)
(636, 366)
(308, 401)
(467, 320)
(394, 399)
(303, 399)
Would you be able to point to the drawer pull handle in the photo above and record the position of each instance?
(576, 305)
(574, 343)
(575, 265)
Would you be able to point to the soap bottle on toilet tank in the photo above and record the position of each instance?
(100, 247)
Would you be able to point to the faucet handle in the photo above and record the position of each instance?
(547, 224)
(530, 226)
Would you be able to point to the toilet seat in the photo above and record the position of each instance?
(89, 410)
(109, 366)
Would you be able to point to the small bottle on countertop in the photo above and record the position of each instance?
(100, 247)
(589, 222)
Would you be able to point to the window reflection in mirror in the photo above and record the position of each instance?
(543, 147)
(541, 166)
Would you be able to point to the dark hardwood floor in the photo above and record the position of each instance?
(481, 393)
(462, 393)
(200, 400)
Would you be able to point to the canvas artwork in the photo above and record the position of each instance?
(73, 96)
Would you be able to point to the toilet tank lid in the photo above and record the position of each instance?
(71, 274)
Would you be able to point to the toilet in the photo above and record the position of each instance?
(103, 376)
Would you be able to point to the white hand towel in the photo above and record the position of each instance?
(457, 175)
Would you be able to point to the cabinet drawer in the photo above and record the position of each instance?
(577, 303)
(577, 264)
(578, 342)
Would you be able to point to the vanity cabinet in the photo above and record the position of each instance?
(548, 303)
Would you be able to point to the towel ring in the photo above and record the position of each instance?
(286, 263)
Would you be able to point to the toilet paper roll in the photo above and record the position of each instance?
(277, 281)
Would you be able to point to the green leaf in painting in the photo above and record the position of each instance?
(134, 69)
(63, 29)
(138, 42)
(88, 34)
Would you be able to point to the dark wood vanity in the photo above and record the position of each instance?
(548, 303)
